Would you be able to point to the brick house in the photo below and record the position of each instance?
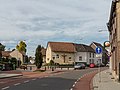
(114, 37)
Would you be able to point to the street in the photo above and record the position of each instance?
(61, 81)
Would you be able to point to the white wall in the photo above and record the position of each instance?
(48, 54)
(86, 57)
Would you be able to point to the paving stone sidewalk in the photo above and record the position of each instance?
(104, 81)
(5, 75)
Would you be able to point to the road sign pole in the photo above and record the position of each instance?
(99, 51)
(99, 73)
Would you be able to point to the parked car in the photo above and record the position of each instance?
(79, 66)
(23, 67)
(92, 65)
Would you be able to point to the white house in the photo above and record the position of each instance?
(104, 57)
(85, 54)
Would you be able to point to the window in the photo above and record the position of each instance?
(57, 56)
(93, 55)
(53, 58)
(69, 57)
(90, 61)
(48, 59)
(80, 58)
(90, 55)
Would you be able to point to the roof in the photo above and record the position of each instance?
(6, 53)
(98, 44)
(62, 47)
(83, 48)
(43, 50)
(113, 7)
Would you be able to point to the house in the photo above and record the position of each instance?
(85, 54)
(114, 37)
(43, 50)
(104, 57)
(6, 54)
(20, 56)
(60, 52)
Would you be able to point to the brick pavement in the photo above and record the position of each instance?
(85, 83)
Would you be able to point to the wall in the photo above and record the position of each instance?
(48, 54)
(69, 57)
(16, 54)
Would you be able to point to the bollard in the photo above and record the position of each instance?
(68, 68)
(52, 69)
(45, 68)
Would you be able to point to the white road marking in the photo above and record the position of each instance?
(33, 79)
(74, 85)
(5, 88)
(26, 81)
(17, 84)
(75, 82)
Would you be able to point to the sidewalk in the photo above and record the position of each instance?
(5, 75)
(103, 81)
(8, 74)
(28, 73)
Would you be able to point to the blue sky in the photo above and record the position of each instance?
(40, 21)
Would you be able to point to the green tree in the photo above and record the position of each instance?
(2, 47)
(51, 63)
(21, 47)
(13, 60)
(26, 59)
(38, 57)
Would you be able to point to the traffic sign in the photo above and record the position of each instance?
(98, 50)
(99, 55)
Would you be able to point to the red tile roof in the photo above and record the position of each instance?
(6, 53)
(62, 47)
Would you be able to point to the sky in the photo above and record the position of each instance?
(39, 21)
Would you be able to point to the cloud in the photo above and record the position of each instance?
(40, 21)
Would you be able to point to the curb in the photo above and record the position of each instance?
(11, 76)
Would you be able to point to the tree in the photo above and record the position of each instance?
(51, 63)
(26, 59)
(21, 47)
(38, 57)
(2, 47)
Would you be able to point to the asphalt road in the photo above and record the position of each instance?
(62, 81)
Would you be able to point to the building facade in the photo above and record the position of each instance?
(19, 56)
(60, 52)
(85, 54)
(114, 37)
